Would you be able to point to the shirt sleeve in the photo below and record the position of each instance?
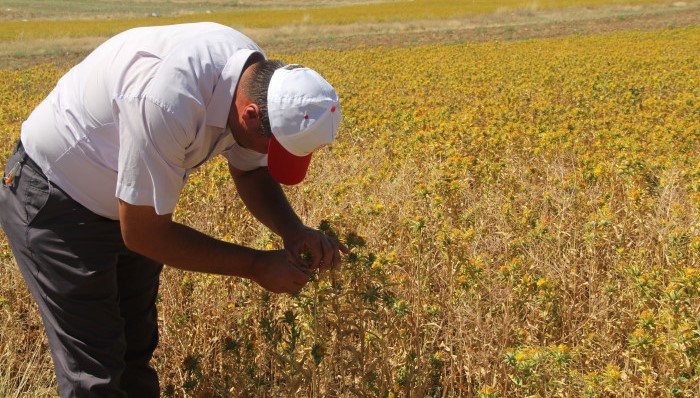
(244, 159)
(152, 145)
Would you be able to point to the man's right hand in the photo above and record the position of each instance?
(273, 271)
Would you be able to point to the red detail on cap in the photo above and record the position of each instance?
(333, 108)
(285, 167)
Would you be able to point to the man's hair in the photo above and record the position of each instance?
(256, 90)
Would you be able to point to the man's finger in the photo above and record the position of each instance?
(342, 247)
(329, 251)
(336, 259)
(294, 258)
(300, 274)
(315, 251)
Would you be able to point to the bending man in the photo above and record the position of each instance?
(88, 195)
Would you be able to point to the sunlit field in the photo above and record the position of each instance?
(524, 220)
(403, 10)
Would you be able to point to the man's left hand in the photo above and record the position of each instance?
(323, 250)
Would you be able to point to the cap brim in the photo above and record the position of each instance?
(285, 167)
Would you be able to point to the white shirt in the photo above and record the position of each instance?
(142, 111)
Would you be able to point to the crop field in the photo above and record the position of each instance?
(523, 217)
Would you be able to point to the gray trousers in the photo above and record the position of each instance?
(96, 297)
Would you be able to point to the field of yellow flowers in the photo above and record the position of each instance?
(255, 17)
(524, 220)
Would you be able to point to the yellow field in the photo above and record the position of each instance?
(524, 221)
(407, 10)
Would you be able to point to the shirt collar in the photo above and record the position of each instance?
(220, 103)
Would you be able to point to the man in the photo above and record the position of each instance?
(88, 195)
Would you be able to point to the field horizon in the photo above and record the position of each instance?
(517, 22)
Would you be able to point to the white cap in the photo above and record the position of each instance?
(304, 115)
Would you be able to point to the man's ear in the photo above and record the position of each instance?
(251, 117)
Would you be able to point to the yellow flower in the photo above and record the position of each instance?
(487, 390)
(612, 373)
(440, 356)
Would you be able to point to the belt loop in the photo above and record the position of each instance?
(19, 148)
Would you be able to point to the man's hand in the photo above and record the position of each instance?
(265, 199)
(323, 250)
(273, 271)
